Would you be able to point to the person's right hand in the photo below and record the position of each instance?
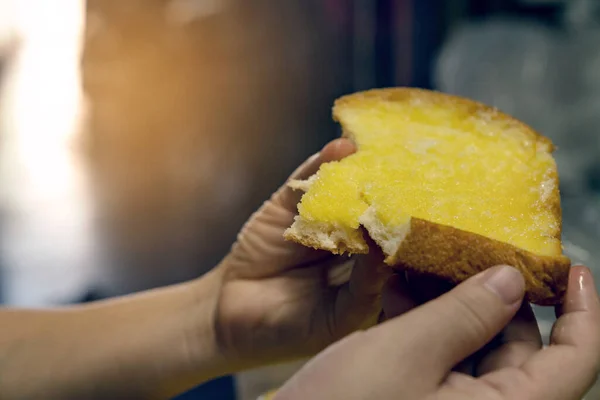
(414, 356)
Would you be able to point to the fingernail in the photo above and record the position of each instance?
(507, 283)
(581, 293)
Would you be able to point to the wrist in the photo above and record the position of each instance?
(195, 353)
(168, 342)
(203, 353)
(165, 338)
(210, 353)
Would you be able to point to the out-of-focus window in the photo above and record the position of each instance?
(46, 239)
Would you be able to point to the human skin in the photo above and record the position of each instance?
(268, 301)
(414, 355)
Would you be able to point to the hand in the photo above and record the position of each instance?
(413, 356)
(280, 300)
(517, 341)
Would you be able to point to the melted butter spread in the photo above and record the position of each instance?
(447, 165)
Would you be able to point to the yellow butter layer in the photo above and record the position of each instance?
(444, 164)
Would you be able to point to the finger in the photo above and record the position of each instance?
(441, 333)
(396, 299)
(261, 243)
(287, 197)
(370, 272)
(339, 273)
(469, 365)
(517, 343)
(424, 288)
(261, 240)
(361, 296)
(569, 366)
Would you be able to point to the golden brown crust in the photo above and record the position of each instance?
(456, 255)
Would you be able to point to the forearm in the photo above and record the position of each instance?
(151, 345)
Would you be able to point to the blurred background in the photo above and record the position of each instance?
(137, 136)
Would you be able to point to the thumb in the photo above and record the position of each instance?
(452, 327)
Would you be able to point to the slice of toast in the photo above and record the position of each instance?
(444, 185)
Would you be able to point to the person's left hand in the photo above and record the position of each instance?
(414, 355)
(280, 300)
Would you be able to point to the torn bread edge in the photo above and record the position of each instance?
(426, 247)
(340, 239)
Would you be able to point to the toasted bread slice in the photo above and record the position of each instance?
(444, 185)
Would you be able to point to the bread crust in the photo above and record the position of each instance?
(444, 251)
(456, 255)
